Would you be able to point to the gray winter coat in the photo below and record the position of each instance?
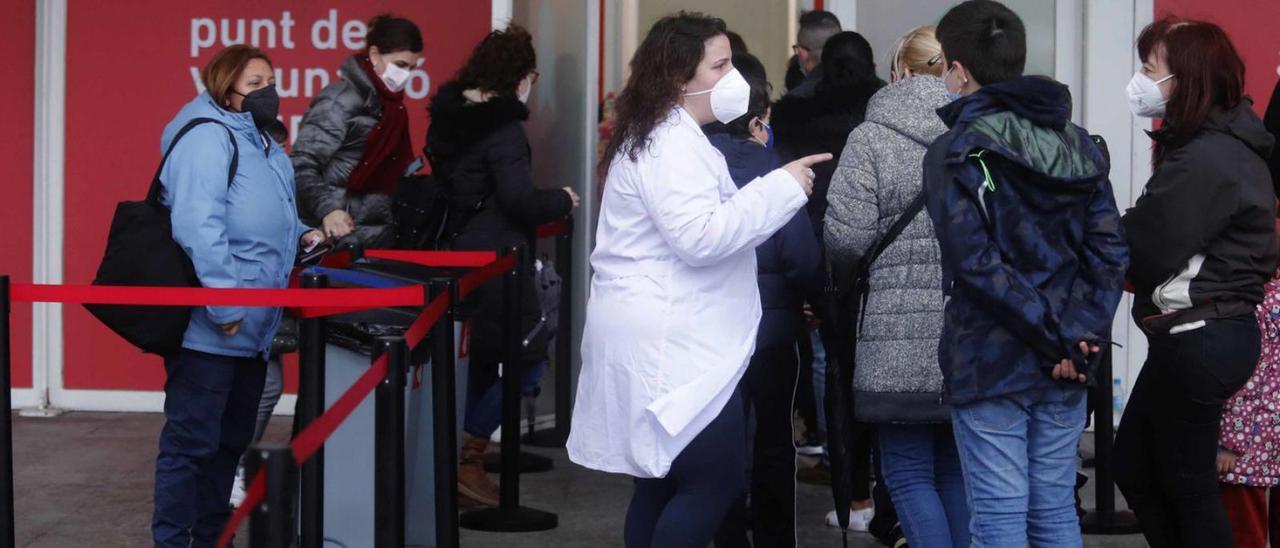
(897, 378)
(331, 140)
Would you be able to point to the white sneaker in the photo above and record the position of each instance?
(859, 520)
(237, 489)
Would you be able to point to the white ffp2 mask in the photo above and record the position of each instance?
(1145, 98)
(395, 77)
(730, 97)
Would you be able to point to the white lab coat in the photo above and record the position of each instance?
(674, 306)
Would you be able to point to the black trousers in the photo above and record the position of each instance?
(1167, 443)
(683, 509)
(768, 389)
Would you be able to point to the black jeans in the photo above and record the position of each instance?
(683, 509)
(768, 388)
(1166, 447)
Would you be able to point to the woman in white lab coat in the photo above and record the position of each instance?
(674, 307)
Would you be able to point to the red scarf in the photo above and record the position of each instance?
(388, 150)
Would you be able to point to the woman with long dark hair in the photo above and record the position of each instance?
(674, 306)
(477, 146)
(1202, 240)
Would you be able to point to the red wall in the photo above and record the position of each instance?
(1251, 25)
(129, 66)
(17, 101)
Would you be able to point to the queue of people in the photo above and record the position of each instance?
(997, 258)
(352, 150)
(985, 219)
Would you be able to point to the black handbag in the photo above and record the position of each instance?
(141, 252)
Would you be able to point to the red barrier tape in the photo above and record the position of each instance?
(439, 259)
(208, 296)
(553, 229)
(310, 439)
(252, 496)
(307, 442)
(480, 276)
(421, 326)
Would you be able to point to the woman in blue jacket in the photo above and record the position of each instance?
(788, 266)
(243, 234)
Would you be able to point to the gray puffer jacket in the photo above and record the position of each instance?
(897, 378)
(331, 140)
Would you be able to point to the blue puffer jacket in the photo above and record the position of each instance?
(243, 236)
(1033, 255)
(788, 263)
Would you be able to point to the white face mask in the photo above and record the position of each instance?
(524, 95)
(395, 77)
(1145, 98)
(730, 97)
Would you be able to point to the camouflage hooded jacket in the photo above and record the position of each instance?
(1033, 255)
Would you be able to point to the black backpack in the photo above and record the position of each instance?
(141, 252)
(419, 212)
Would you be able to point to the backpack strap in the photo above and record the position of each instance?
(153, 193)
(908, 215)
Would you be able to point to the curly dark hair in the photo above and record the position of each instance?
(500, 61)
(667, 58)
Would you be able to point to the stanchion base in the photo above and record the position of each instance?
(1118, 523)
(529, 463)
(549, 438)
(509, 520)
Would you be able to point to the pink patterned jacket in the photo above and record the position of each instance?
(1251, 418)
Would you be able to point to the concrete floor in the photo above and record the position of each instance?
(84, 479)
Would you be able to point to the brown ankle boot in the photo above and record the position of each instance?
(473, 483)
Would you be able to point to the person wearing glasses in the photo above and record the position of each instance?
(816, 27)
(477, 145)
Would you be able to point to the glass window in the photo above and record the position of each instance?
(883, 23)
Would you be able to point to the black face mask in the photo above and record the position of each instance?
(263, 104)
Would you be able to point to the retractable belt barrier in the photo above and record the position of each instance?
(306, 303)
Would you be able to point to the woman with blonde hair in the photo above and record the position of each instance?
(897, 380)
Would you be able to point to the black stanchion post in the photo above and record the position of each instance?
(444, 415)
(6, 429)
(509, 516)
(564, 334)
(271, 523)
(509, 486)
(1105, 520)
(388, 489)
(310, 405)
(557, 436)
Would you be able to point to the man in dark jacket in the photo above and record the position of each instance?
(815, 28)
(1033, 264)
(787, 267)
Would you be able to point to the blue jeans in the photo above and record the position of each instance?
(484, 395)
(210, 407)
(922, 471)
(1018, 452)
(819, 379)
